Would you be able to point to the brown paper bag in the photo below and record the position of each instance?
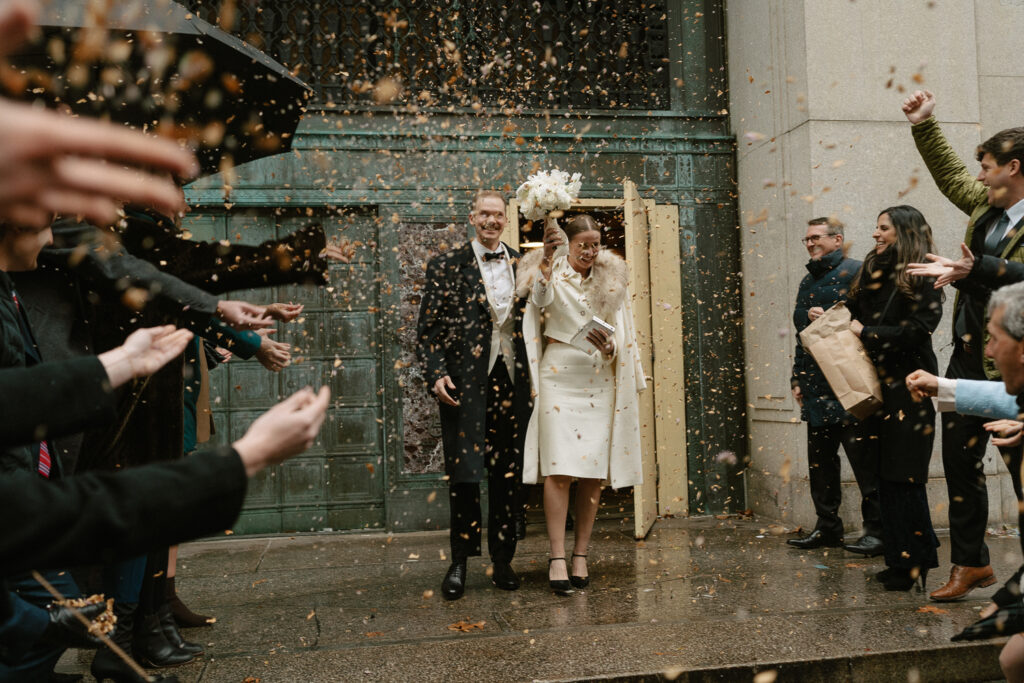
(844, 362)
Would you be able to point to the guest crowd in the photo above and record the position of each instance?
(895, 301)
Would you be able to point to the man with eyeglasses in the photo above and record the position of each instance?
(829, 274)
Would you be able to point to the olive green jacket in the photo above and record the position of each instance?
(966, 192)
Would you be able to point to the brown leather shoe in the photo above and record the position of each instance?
(962, 580)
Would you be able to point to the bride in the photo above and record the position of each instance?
(585, 423)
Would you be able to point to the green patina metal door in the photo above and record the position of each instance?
(337, 341)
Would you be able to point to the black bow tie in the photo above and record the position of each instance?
(492, 255)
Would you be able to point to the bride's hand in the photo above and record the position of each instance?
(552, 240)
(602, 341)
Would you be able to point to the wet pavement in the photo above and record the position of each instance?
(699, 600)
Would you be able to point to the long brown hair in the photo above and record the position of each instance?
(913, 241)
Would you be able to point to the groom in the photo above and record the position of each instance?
(474, 361)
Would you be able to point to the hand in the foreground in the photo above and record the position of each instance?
(287, 429)
(922, 385)
(798, 395)
(65, 630)
(919, 106)
(242, 315)
(856, 327)
(1009, 432)
(944, 270)
(273, 355)
(441, 387)
(144, 352)
(815, 312)
(284, 313)
(342, 251)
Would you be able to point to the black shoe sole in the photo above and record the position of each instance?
(864, 553)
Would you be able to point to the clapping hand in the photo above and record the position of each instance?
(944, 270)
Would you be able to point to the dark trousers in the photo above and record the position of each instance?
(907, 526)
(824, 473)
(34, 660)
(504, 476)
(963, 451)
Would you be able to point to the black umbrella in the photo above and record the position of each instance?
(154, 64)
(1004, 622)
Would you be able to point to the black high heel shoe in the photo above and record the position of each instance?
(559, 586)
(579, 581)
(905, 579)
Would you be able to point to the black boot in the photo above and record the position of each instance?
(151, 647)
(107, 665)
(173, 635)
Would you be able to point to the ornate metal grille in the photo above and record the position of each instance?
(594, 54)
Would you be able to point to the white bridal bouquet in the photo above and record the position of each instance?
(547, 191)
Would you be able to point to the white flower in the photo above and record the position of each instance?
(547, 191)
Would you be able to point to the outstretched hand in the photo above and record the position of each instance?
(272, 354)
(242, 315)
(944, 270)
(287, 429)
(144, 352)
(284, 313)
(919, 106)
(1005, 433)
(53, 163)
(342, 251)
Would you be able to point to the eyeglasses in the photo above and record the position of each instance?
(814, 239)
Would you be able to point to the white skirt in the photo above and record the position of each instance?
(576, 407)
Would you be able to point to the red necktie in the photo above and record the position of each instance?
(45, 462)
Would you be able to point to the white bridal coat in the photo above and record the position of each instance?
(609, 294)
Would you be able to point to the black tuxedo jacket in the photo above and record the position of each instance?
(455, 340)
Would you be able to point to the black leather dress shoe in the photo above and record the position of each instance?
(504, 577)
(869, 546)
(454, 584)
(816, 539)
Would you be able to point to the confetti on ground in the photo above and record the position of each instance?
(466, 626)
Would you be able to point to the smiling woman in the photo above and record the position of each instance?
(585, 423)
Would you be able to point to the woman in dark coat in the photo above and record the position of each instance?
(895, 315)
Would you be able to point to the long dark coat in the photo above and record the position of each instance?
(827, 283)
(899, 342)
(455, 340)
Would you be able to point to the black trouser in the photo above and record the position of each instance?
(824, 474)
(504, 476)
(909, 538)
(963, 451)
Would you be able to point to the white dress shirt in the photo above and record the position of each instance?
(500, 285)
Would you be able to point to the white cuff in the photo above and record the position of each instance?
(945, 400)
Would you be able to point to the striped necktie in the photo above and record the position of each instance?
(45, 459)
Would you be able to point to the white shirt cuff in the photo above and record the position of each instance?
(945, 400)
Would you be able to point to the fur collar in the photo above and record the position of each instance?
(608, 282)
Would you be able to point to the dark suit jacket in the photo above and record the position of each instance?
(455, 340)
